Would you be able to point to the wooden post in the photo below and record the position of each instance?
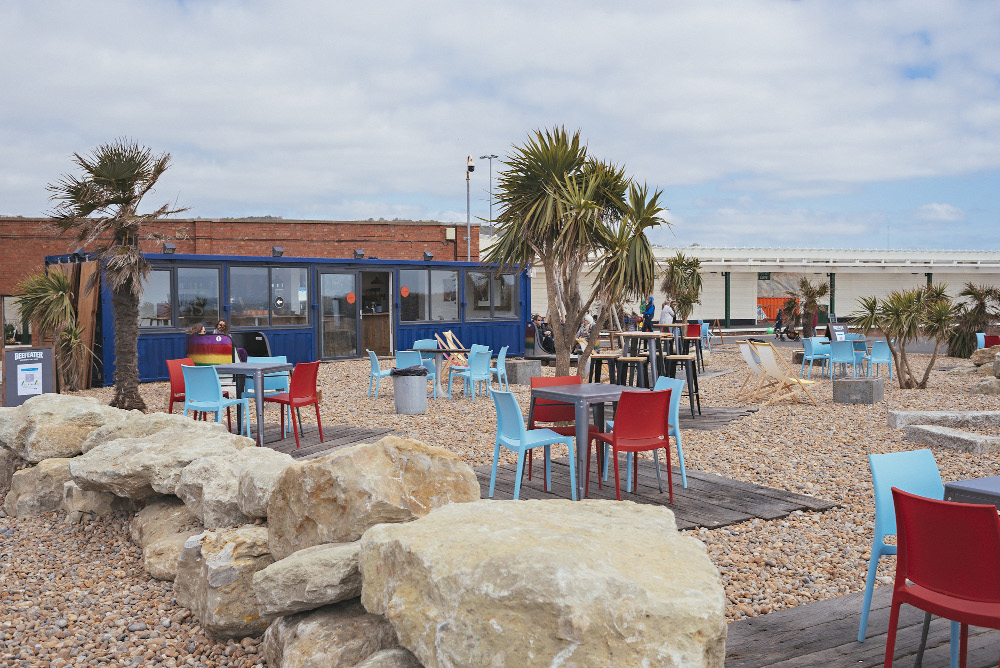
(718, 328)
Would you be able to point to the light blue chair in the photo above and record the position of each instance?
(811, 353)
(880, 354)
(512, 434)
(203, 393)
(980, 340)
(428, 359)
(477, 372)
(500, 370)
(676, 387)
(915, 472)
(274, 383)
(377, 373)
(842, 353)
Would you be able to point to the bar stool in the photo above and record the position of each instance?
(633, 370)
(690, 364)
(597, 362)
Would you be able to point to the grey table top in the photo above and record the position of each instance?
(252, 367)
(588, 392)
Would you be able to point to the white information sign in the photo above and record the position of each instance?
(29, 379)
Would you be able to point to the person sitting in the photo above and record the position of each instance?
(197, 328)
(222, 328)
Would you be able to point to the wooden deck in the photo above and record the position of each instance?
(709, 501)
(334, 438)
(826, 634)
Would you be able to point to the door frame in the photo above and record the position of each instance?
(356, 273)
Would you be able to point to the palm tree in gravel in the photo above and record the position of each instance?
(101, 206)
(979, 311)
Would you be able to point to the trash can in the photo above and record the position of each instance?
(409, 389)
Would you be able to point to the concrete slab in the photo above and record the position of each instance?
(858, 390)
(975, 419)
(954, 439)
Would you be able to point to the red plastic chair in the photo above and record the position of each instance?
(693, 330)
(177, 388)
(950, 552)
(641, 424)
(301, 392)
(991, 340)
(548, 410)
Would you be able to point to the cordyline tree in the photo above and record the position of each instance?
(903, 317)
(800, 307)
(574, 214)
(101, 206)
(978, 312)
(682, 282)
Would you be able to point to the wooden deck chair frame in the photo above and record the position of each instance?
(764, 381)
(451, 341)
(788, 384)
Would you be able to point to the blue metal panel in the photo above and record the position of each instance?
(298, 345)
(492, 333)
(154, 351)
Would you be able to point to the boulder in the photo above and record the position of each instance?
(10, 462)
(210, 486)
(988, 386)
(337, 635)
(984, 356)
(309, 579)
(985, 370)
(136, 423)
(996, 368)
(963, 370)
(391, 658)
(38, 489)
(257, 482)
(51, 426)
(80, 503)
(543, 583)
(214, 575)
(335, 499)
(146, 466)
(161, 529)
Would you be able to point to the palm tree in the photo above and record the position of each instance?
(978, 313)
(683, 282)
(564, 209)
(807, 301)
(102, 207)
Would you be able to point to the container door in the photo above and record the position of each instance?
(339, 309)
(376, 311)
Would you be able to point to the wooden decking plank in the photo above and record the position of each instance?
(807, 502)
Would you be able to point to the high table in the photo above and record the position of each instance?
(582, 396)
(240, 371)
(439, 354)
(653, 343)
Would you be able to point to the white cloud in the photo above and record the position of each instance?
(937, 212)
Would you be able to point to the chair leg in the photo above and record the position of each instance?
(170, 407)
(319, 423)
(670, 474)
(656, 467)
(680, 458)
(229, 419)
(618, 489)
(869, 588)
(493, 473)
(295, 428)
(572, 468)
(283, 432)
(890, 642)
(923, 639)
(517, 476)
(548, 468)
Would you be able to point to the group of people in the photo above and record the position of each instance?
(667, 314)
(222, 327)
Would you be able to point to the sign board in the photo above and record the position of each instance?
(836, 332)
(27, 372)
(763, 276)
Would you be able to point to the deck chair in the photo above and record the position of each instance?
(451, 359)
(756, 380)
(787, 384)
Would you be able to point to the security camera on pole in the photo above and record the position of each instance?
(470, 167)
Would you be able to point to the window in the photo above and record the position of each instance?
(490, 295)
(477, 295)
(428, 294)
(268, 296)
(444, 294)
(505, 304)
(155, 306)
(413, 294)
(197, 296)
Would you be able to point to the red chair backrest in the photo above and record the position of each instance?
(991, 340)
(643, 415)
(547, 410)
(950, 548)
(177, 375)
(694, 329)
(304, 380)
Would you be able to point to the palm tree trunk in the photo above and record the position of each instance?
(126, 313)
(930, 365)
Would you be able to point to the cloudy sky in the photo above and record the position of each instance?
(837, 124)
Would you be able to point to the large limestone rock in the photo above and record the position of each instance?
(38, 489)
(80, 504)
(543, 583)
(338, 635)
(147, 466)
(309, 579)
(9, 464)
(335, 499)
(989, 386)
(214, 577)
(258, 481)
(161, 529)
(54, 425)
(391, 658)
(136, 423)
(211, 486)
(984, 356)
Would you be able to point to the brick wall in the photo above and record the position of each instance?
(24, 242)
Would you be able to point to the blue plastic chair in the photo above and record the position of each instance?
(203, 393)
(842, 353)
(408, 358)
(426, 344)
(811, 352)
(274, 383)
(980, 340)
(880, 354)
(512, 434)
(707, 336)
(477, 372)
(500, 370)
(915, 472)
(377, 373)
(676, 387)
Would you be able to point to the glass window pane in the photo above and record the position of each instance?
(413, 294)
(444, 294)
(505, 296)
(154, 306)
(477, 295)
(339, 313)
(197, 296)
(248, 297)
(289, 296)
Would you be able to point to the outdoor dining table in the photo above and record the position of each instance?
(439, 354)
(240, 371)
(582, 396)
(976, 490)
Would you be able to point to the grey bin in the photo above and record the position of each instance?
(409, 389)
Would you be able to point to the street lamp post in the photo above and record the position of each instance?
(469, 168)
(490, 158)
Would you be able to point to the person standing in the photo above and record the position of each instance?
(667, 314)
(647, 315)
(779, 322)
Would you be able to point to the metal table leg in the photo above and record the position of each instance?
(258, 395)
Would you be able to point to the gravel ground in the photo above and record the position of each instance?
(78, 595)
